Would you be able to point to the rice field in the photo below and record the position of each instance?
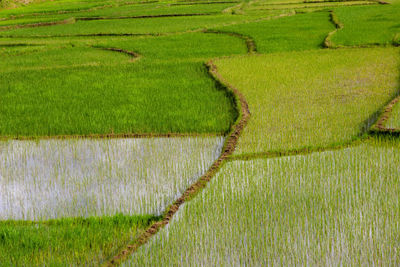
(125, 138)
(394, 119)
(331, 96)
(324, 209)
(291, 33)
(68, 241)
(368, 25)
(54, 89)
(151, 26)
(52, 179)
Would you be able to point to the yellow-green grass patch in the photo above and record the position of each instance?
(311, 99)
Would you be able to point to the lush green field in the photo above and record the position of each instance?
(131, 10)
(324, 209)
(368, 25)
(311, 99)
(150, 95)
(145, 98)
(45, 6)
(131, 26)
(67, 242)
(300, 32)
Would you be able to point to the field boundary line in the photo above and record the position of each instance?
(321, 7)
(75, 19)
(135, 56)
(234, 9)
(200, 184)
(396, 40)
(250, 43)
(144, 16)
(204, 3)
(379, 127)
(297, 152)
(338, 26)
(39, 24)
(317, 2)
(109, 136)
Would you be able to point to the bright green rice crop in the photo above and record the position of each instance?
(39, 57)
(311, 99)
(197, 47)
(77, 90)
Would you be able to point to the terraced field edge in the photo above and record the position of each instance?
(200, 184)
(379, 127)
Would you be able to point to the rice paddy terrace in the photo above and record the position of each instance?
(199, 133)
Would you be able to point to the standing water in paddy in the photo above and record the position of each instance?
(81, 178)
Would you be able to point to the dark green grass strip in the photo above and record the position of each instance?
(68, 242)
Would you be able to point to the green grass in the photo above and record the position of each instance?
(311, 99)
(300, 32)
(324, 209)
(67, 242)
(367, 25)
(394, 119)
(313, 5)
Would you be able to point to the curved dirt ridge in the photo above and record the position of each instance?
(73, 20)
(250, 43)
(39, 24)
(338, 26)
(379, 127)
(194, 189)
